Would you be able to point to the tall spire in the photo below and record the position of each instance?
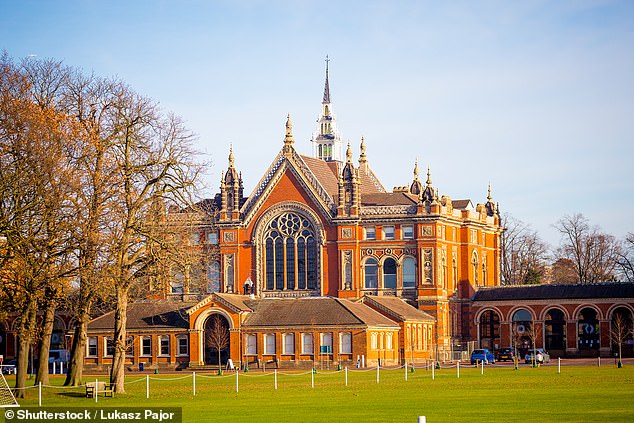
(327, 86)
(327, 144)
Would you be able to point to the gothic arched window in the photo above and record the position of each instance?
(370, 270)
(290, 254)
(389, 273)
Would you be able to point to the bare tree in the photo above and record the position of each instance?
(523, 253)
(217, 337)
(154, 163)
(593, 253)
(563, 271)
(620, 331)
(625, 261)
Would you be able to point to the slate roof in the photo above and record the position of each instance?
(399, 309)
(460, 204)
(389, 199)
(148, 315)
(312, 311)
(546, 292)
(327, 173)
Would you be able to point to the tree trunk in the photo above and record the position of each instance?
(25, 330)
(76, 363)
(117, 375)
(45, 343)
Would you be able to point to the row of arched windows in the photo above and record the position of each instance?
(384, 275)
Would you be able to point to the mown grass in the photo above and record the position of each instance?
(578, 394)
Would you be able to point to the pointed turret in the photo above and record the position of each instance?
(231, 190)
(349, 195)
(363, 158)
(416, 187)
(428, 194)
(289, 141)
(326, 141)
(490, 206)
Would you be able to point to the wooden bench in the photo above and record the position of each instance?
(102, 388)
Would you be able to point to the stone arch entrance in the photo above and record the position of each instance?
(216, 340)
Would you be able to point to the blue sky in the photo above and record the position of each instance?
(536, 97)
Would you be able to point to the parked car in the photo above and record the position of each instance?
(485, 355)
(542, 356)
(505, 354)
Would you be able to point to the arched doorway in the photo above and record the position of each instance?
(523, 331)
(588, 332)
(216, 340)
(489, 330)
(555, 332)
(621, 332)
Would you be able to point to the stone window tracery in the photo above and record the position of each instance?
(290, 254)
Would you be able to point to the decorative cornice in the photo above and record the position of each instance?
(387, 210)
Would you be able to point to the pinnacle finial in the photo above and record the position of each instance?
(489, 198)
(349, 153)
(362, 156)
(416, 171)
(288, 139)
(231, 158)
(428, 176)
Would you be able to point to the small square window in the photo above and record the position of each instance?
(370, 233)
(408, 232)
(212, 237)
(388, 232)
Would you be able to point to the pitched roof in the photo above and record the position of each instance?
(398, 308)
(461, 204)
(312, 311)
(148, 315)
(544, 292)
(327, 173)
(389, 199)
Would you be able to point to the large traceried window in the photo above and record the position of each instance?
(290, 253)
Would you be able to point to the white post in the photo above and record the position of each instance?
(422, 419)
(275, 376)
(61, 367)
(194, 383)
(406, 371)
(363, 361)
(377, 372)
(482, 367)
(458, 369)
(346, 375)
(558, 365)
(433, 374)
(312, 378)
(96, 388)
(40, 394)
(599, 361)
(147, 386)
(237, 383)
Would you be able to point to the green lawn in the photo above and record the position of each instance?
(500, 395)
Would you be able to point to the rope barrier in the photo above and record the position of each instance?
(170, 378)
